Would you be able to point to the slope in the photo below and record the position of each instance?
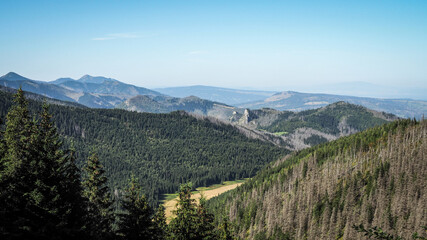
(95, 100)
(102, 85)
(376, 178)
(191, 104)
(310, 127)
(162, 150)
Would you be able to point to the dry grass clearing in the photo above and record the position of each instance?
(208, 192)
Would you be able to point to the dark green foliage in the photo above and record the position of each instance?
(375, 232)
(38, 194)
(163, 150)
(192, 221)
(161, 227)
(184, 226)
(205, 223)
(135, 222)
(225, 229)
(99, 208)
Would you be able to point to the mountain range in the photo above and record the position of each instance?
(225, 95)
(296, 101)
(101, 92)
(95, 92)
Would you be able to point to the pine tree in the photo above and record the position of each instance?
(161, 227)
(136, 220)
(17, 175)
(225, 230)
(184, 226)
(2, 147)
(99, 208)
(72, 209)
(31, 187)
(205, 226)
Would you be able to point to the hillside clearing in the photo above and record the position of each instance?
(208, 192)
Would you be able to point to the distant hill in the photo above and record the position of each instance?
(102, 85)
(95, 92)
(307, 128)
(41, 98)
(296, 101)
(375, 178)
(225, 95)
(191, 104)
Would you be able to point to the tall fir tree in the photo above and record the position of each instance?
(31, 181)
(2, 147)
(225, 229)
(136, 221)
(161, 227)
(17, 175)
(100, 215)
(205, 223)
(184, 226)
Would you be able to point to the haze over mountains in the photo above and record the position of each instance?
(102, 92)
(216, 94)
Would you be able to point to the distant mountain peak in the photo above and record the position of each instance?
(95, 79)
(12, 76)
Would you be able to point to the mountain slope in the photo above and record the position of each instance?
(94, 92)
(295, 101)
(41, 98)
(376, 178)
(310, 127)
(162, 150)
(191, 104)
(102, 85)
(216, 94)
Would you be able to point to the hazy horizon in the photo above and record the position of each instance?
(273, 46)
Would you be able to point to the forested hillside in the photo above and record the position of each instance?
(376, 178)
(162, 150)
(299, 130)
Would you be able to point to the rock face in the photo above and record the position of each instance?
(247, 117)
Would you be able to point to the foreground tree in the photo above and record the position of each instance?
(192, 221)
(161, 227)
(99, 216)
(205, 226)
(136, 222)
(33, 179)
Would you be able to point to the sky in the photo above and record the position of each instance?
(270, 45)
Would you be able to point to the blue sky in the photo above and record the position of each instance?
(276, 45)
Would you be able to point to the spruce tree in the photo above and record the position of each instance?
(136, 220)
(2, 147)
(99, 206)
(17, 173)
(33, 185)
(225, 230)
(184, 226)
(205, 223)
(161, 227)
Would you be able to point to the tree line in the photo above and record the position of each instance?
(44, 195)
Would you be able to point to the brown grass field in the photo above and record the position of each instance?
(170, 205)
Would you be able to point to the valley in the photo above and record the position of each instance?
(207, 192)
(213, 120)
